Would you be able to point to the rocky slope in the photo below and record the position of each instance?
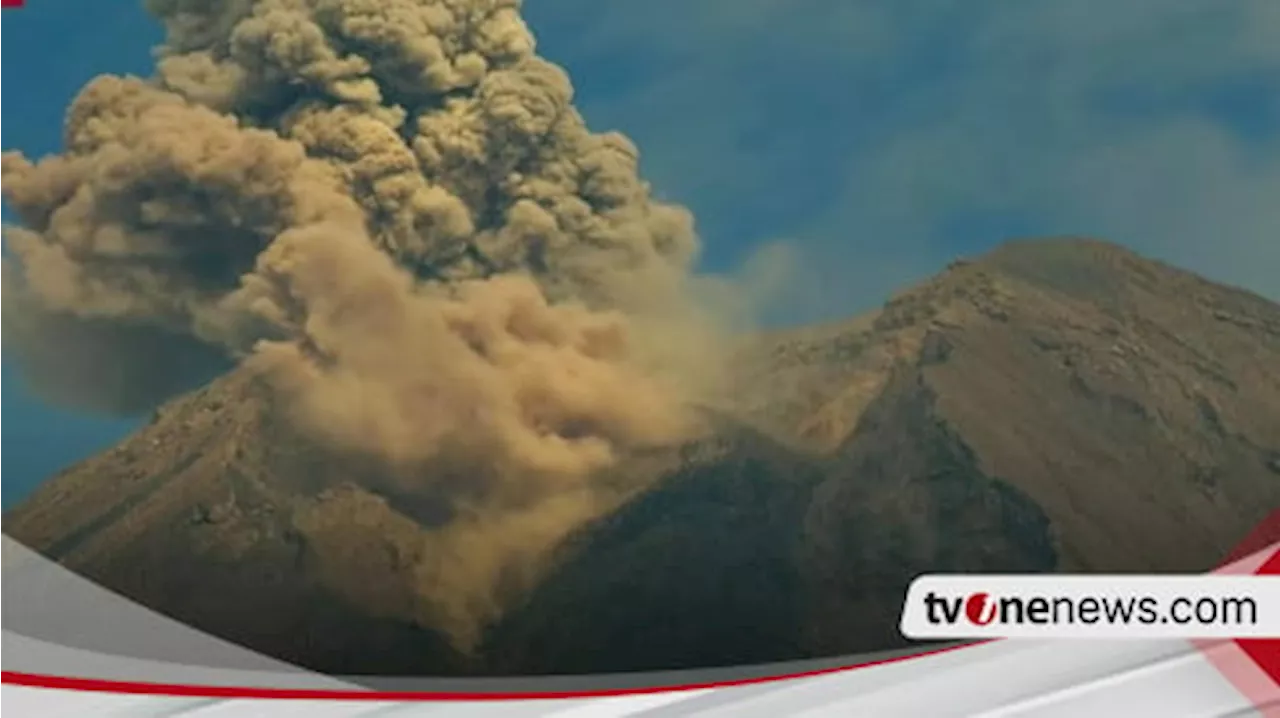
(1054, 405)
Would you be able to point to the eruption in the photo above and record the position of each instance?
(391, 210)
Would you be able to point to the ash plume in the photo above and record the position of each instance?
(392, 211)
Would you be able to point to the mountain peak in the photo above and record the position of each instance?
(1097, 271)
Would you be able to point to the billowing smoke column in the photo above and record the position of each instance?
(390, 209)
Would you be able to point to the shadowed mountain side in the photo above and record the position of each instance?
(1054, 405)
(907, 496)
(698, 571)
(759, 558)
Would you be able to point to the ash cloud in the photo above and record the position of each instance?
(392, 211)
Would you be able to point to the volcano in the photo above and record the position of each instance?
(1053, 405)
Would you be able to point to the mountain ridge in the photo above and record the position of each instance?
(1061, 404)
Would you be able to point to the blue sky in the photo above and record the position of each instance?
(865, 143)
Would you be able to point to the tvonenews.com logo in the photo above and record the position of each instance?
(1092, 606)
(983, 609)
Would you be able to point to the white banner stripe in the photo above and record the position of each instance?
(626, 705)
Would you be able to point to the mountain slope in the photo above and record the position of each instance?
(1055, 405)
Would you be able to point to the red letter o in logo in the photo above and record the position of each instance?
(979, 610)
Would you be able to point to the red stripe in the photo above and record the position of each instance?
(10, 3)
(1266, 652)
(196, 691)
(1266, 534)
(1260, 681)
